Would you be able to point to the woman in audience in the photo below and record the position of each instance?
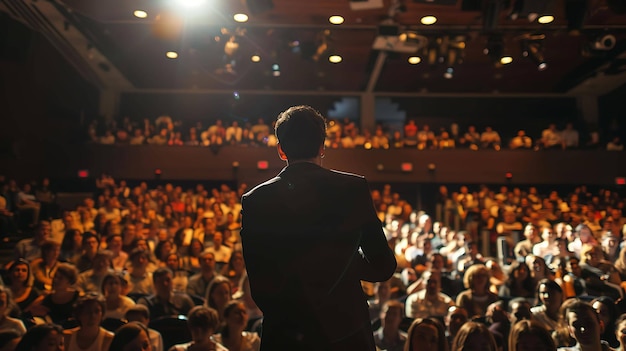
(180, 277)
(607, 311)
(202, 322)
(530, 336)
(192, 259)
(477, 296)
(426, 334)
(235, 271)
(58, 306)
(233, 335)
(162, 251)
(116, 304)
(601, 278)
(218, 295)
(19, 280)
(548, 301)
(42, 337)
(519, 282)
(89, 336)
(6, 322)
(71, 246)
(44, 268)
(474, 336)
(132, 336)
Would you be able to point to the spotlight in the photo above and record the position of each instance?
(534, 51)
(449, 73)
(604, 43)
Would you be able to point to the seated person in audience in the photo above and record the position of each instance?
(44, 267)
(218, 295)
(57, 307)
(25, 201)
(474, 336)
(382, 293)
(550, 138)
(139, 279)
(549, 245)
(519, 309)
(203, 323)
(426, 138)
(89, 312)
(445, 142)
(141, 314)
(472, 137)
(477, 296)
(199, 282)
(608, 312)
(584, 326)
(548, 302)
(90, 245)
(410, 134)
(30, 249)
(116, 304)
(118, 257)
(166, 302)
(19, 281)
(529, 336)
(471, 257)
(490, 139)
(71, 246)
(508, 226)
(426, 334)
(91, 279)
(42, 337)
(569, 137)
(389, 336)
(233, 334)
(429, 302)
(519, 282)
(601, 277)
(525, 247)
(6, 322)
(615, 144)
(521, 141)
(498, 321)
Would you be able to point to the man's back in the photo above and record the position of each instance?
(300, 235)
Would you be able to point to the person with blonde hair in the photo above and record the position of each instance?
(477, 296)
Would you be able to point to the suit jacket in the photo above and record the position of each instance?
(300, 234)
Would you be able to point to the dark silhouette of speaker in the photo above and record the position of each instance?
(259, 6)
(15, 39)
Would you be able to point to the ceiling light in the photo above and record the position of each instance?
(255, 58)
(140, 14)
(449, 73)
(428, 20)
(542, 66)
(335, 58)
(336, 19)
(414, 60)
(505, 60)
(171, 54)
(240, 17)
(545, 19)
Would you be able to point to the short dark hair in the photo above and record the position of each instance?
(35, 335)
(68, 271)
(137, 310)
(127, 333)
(301, 131)
(203, 317)
(160, 272)
(91, 297)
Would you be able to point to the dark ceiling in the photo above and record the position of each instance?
(289, 32)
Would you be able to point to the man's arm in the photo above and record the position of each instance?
(377, 262)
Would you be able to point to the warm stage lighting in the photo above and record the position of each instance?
(545, 19)
(171, 54)
(140, 14)
(255, 58)
(240, 17)
(428, 20)
(191, 3)
(414, 60)
(505, 60)
(336, 19)
(335, 58)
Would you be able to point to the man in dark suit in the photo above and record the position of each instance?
(309, 236)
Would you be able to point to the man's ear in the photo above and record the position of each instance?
(281, 153)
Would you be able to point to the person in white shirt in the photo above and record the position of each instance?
(549, 245)
(550, 138)
(570, 137)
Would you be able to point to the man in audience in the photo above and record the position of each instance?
(90, 245)
(429, 302)
(166, 302)
(583, 323)
(30, 249)
(139, 279)
(389, 336)
(199, 282)
(550, 138)
(569, 137)
(141, 313)
(91, 279)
